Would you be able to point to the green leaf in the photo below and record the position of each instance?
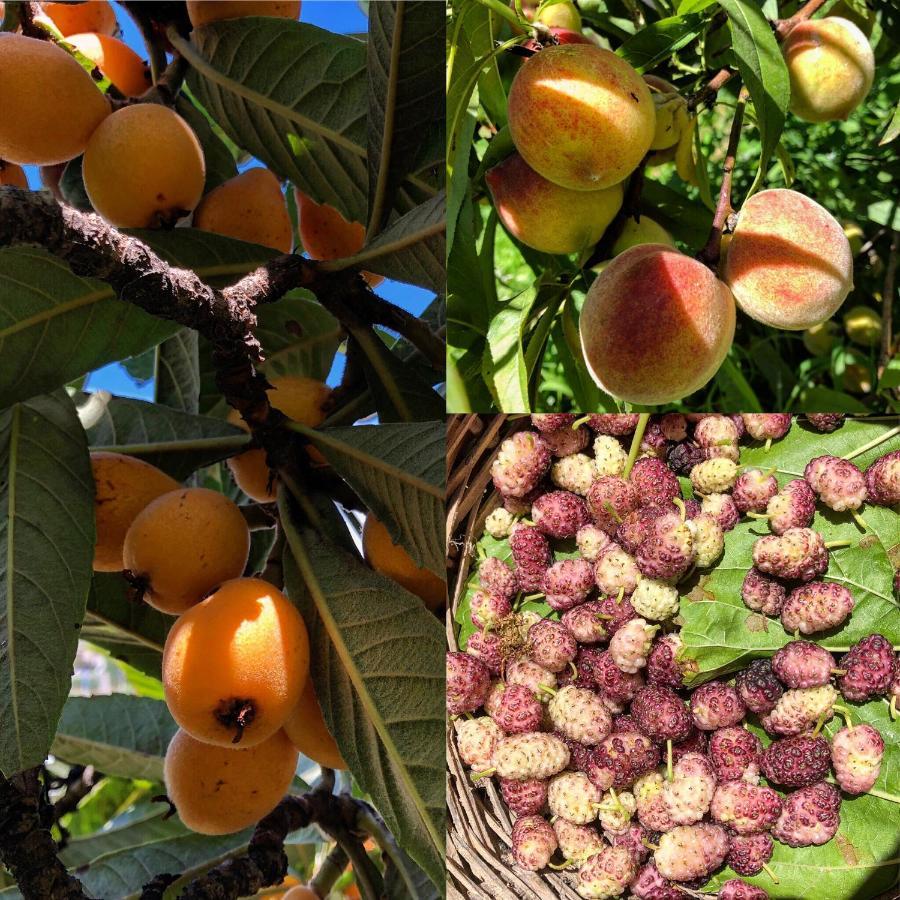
(174, 441)
(118, 734)
(893, 128)
(503, 365)
(406, 119)
(398, 472)
(685, 219)
(482, 30)
(379, 676)
(763, 71)
(220, 163)
(723, 635)
(178, 372)
(656, 42)
(71, 185)
(46, 556)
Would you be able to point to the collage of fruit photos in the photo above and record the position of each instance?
(450, 449)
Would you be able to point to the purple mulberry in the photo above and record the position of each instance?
(826, 422)
(521, 462)
(744, 807)
(883, 480)
(753, 490)
(524, 798)
(838, 483)
(762, 594)
(468, 683)
(663, 664)
(597, 620)
(551, 645)
(792, 507)
(533, 842)
(668, 551)
(612, 423)
(814, 607)
(627, 755)
(802, 664)
(723, 509)
(716, 705)
(497, 578)
(559, 514)
(735, 753)
(661, 714)
(748, 853)
(531, 554)
(758, 687)
(767, 426)
(810, 816)
(796, 761)
(691, 851)
(488, 647)
(654, 482)
(735, 889)
(552, 421)
(869, 668)
(487, 610)
(609, 500)
(600, 671)
(567, 583)
(650, 885)
(800, 710)
(684, 456)
(797, 555)
(518, 710)
(856, 753)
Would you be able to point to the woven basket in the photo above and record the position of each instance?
(479, 863)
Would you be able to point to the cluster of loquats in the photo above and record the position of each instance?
(236, 660)
(656, 324)
(143, 165)
(614, 769)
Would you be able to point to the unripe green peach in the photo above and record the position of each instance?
(581, 116)
(560, 15)
(819, 339)
(644, 231)
(544, 215)
(655, 325)
(855, 235)
(856, 379)
(831, 66)
(789, 262)
(863, 326)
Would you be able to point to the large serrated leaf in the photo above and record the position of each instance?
(379, 677)
(220, 164)
(46, 555)
(178, 372)
(118, 734)
(723, 635)
(55, 326)
(132, 632)
(398, 471)
(412, 250)
(405, 60)
(294, 96)
(176, 442)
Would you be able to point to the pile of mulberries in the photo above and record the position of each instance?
(615, 768)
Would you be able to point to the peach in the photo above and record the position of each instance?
(655, 325)
(581, 116)
(789, 263)
(560, 15)
(831, 66)
(642, 231)
(115, 60)
(544, 215)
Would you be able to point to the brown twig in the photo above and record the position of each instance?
(887, 300)
(783, 27)
(708, 92)
(710, 252)
(630, 209)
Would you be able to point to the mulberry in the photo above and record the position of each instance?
(588, 623)
(815, 607)
(800, 710)
(609, 500)
(577, 842)
(567, 583)
(525, 757)
(559, 514)
(691, 851)
(580, 715)
(609, 456)
(709, 539)
(488, 647)
(650, 885)
(809, 816)
(767, 426)
(762, 594)
(723, 509)
(735, 754)
(838, 482)
(797, 555)
(565, 442)
(796, 761)
(615, 811)
(626, 755)
(600, 671)
(552, 646)
(689, 794)
(616, 570)
(552, 421)
(869, 668)
(673, 426)
(684, 456)
(533, 842)
(716, 705)
(468, 683)
(661, 714)
(606, 874)
(632, 839)
(637, 526)
(571, 796)
(518, 710)
(826, 422)
(695, 742)
(802, 664)
(591, 541)
(735, 889)
(663, 664)
(883, 480)
(630, 645)
(745, 808)
(611, 423)
(497, 578)
(531, 554)
(476, 740)
(654, 482)
(655, 600)
(753, 490)
(668, 551)
(856, 754)
(537, 679)
(521, 462)
(499, 523)
(574, 473)
(714, 476)
(715, 431)
(749, 853)
(524, 798)
(792, 507)
(486, 610)
(758, 687)
(650, 796)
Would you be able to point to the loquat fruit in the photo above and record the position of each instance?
(12, 174)
(220, 791)
(299, 398)
(249, 207)
(235, 665)
(96, 16)
(51, 106)
(184, 544)
(115, 60)
(308, 732)
(144, 167)
(392, 561)
(123, 486)
(301, 892)
(201, 12)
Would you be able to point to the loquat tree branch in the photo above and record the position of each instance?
(712, 250)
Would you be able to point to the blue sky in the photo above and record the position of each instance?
(342, 16)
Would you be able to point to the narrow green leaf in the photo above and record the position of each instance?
(656, 42)
(503, 365)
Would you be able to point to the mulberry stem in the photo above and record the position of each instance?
(770, 873)
(669, 773)
(643, 419)
(680, 504)
(831, 545)
(845, 712)
(859, 520)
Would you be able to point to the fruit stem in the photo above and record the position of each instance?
(831, 545)
(563, 865)
(604, 616)
(680, 504)
(669, 772)
(770, 873)
(609, 508)
(768, 445)
(845, 712)
(756, 515)
(643, 419)
(501, 9)
(819, 724)
(859, 520)
(886, 436)
(579, 422)
(649, 844)
(485, 774)
(532, 597)
(620, 596)
(839, 672)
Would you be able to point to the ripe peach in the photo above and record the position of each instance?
(655, 325)
(789, 263)
(308, 732)
(831, 66)
(249, 207)
(391, 560)
(235, 665)
(863, 326)
(50, 104)
(581, 116)
(144, 167)
(819, 339)
(202, 12)
(560, 15)
(220, 791)
(301, 399)
(544, 215)
(95, 16)
(184, 544)
(123, 487)
(326, 234)
(12, 174)
(115, 60)
(644, 231)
